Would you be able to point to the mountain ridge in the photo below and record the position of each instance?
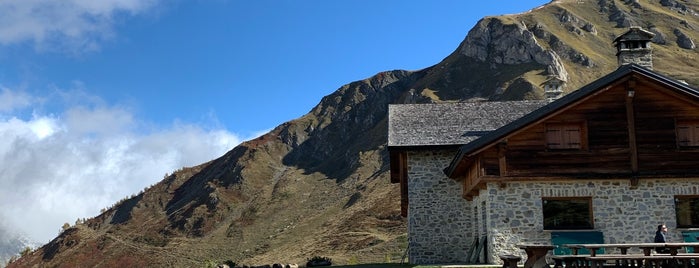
(318, 185)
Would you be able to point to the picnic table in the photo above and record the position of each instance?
(624, 259)
(536, 255)
(623, 247)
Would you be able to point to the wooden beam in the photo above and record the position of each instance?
(470, 186)
(399, 173)
(481, 166)
(397, 162)
(630, 119)
(466, 188)
(467, 184)
(404, 196)
(502, 160)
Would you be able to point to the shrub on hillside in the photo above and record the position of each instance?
(318, 261)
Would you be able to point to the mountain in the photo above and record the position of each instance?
(319, 185)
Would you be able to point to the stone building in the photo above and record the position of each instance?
(612, 160)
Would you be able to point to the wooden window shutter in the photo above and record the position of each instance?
(564, 136)
(554, 138)
(688, 134)
(572, 137)
(683, 135)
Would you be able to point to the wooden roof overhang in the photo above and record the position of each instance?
(468, 154)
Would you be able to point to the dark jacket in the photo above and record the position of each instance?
(660, 238)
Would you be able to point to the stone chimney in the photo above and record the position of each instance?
(553, 88)
(634, 47)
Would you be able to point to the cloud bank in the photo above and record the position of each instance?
(74, 25)
(67, 165)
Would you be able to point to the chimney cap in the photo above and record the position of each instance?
(553, 79)
(635, 33)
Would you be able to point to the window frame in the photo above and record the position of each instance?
(693, 133)
(590, 221)
(565, 143)
(678, 216)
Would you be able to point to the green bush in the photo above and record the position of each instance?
(318, 261)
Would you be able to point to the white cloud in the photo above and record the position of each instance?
(74, 25)
(58, 168)
(11, 100)
(101, 120)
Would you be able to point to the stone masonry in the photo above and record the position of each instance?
(641, 57)
(439, 226)
(624, 214)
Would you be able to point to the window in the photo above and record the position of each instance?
(687, 211)
(567, 213)
(564, 136)
(687, 133)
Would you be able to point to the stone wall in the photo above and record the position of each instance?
(624, 214)
(439, 230)
(642, 57)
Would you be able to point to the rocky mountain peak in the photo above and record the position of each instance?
(494, 42)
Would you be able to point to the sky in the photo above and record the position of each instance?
(100, 99)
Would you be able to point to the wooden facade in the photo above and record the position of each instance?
(631, 125)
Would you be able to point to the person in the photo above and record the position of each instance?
(661, 237)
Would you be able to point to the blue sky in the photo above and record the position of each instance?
(99, 99)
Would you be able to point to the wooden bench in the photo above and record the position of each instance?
(629, 260)
(686, 260)
(647, 259)
(510, 261)
(569, 261)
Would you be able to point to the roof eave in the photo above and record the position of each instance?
(422, 147)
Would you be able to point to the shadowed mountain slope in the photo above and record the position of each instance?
(319, 185)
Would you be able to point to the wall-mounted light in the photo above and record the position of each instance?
(631, 93)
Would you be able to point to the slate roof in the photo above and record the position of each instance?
(444, 124)
(634, 33)
(565, 101)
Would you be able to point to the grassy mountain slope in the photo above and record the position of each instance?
(319, 186)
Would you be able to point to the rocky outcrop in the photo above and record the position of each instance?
(622, 18)
(576, 24)
(679, 7)
(562, 50)
(494, 42)
(498, 43)
(659, 38)
(683, 40)
(633, 3)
